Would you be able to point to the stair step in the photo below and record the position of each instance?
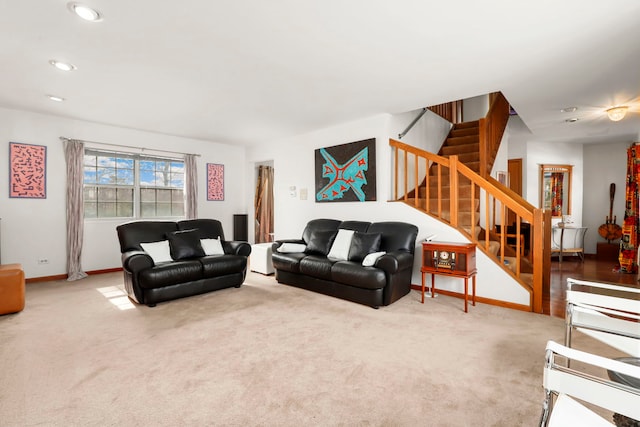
(463, 191)
(474, 166)
(465, 125)
(467, 158)
(464, 205)
(464, 132)
(464, 218)
(462, 140)
(444, 181)
(460, 149)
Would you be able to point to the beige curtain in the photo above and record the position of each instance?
(191, 186)
(264, 205)
(74, 156)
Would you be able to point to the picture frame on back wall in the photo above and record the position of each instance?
(27, 171)
(346, 173)
(215, 182)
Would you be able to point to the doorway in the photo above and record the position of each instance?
(263, 203)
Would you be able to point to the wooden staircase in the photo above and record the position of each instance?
(457, 185)
(464, 141)
(435, 189)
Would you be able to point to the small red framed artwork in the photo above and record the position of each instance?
(215, 182)
(27, 171)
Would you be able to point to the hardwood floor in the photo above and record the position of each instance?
(590, 269)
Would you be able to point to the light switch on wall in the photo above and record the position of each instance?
(292, 191)
(303, 194)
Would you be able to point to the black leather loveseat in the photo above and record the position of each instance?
(387, 280)
(188, 270)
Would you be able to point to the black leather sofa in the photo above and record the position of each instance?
(189, 271)
(378, 285)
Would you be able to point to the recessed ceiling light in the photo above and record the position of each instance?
(84, 12)
(55, 98)
(569, 109)
(572, 120)
(64, 66)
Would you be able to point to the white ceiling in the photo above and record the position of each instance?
(251, 71)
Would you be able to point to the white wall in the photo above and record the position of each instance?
(294, 165)
(428, 134)
(475, 108)
(36, 228)
(604, 164)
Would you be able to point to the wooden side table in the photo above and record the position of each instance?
(450, 259)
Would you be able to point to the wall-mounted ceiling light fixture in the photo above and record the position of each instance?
(617, 113)
(64, 66)
(84, 12)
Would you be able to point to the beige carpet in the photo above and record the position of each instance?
(269, 355)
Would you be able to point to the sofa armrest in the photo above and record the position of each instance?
(236, 248)
(395, 261)
(135, 261)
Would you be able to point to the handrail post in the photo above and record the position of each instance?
(482, 135)
(453, 190)
(395, 167)
(541, 248)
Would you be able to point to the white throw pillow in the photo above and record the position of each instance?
(370, 260)
(290, 248)
(158, 251)
(212, 246)
(340, 248)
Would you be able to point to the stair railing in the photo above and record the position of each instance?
(451, 111)
(492, 128)
(486, 193)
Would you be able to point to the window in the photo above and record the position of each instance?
(127, 185)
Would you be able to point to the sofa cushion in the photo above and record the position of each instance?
(220, 265)
(341, 244)
(320, 242)
(287, 261)
(170, 273)
(185, 244)
(212, 246)
(370, 260)
(207, 228)
(395, 235)
(317, 266)
(353, 274)
(158, 251)
(360, 226)
(291, 248)
(363, 244)
(319, 224)
(132, 233)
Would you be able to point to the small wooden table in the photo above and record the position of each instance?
(450, 259)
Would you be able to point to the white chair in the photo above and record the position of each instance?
(608, 313)
(563, 385)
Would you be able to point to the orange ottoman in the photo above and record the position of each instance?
(11, 288)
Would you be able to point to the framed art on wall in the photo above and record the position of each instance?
(347, 172)
(215, 182)
(27, 171)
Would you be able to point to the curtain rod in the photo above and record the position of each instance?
(64, 138)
